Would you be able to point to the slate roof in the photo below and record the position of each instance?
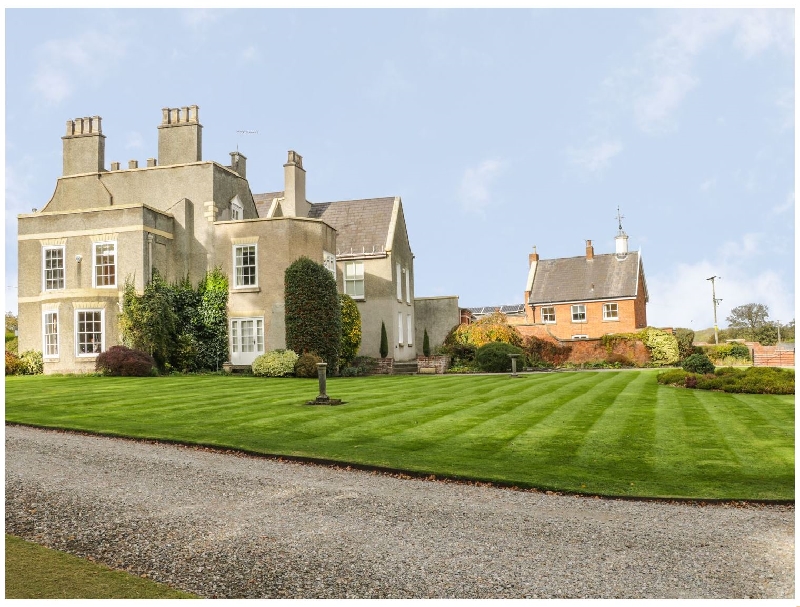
(578, 279)
(264, 201)
(361, 225)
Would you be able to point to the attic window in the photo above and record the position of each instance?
(237, 210)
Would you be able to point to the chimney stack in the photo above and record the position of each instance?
(294, 191)
(239, 163)
(180, 136)
(84, 146)
(589, 250)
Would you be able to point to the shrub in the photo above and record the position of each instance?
(698, 363)
(306, 365)
(685, 339)
(619, 360)
(663, 346)
(460, 354)
(277, 363)
(32, 363)
(13, 364)
(753, 380)
(366, 365)
(313, 315)
(124, 361)
(426, 344)
(351, 329)
(384, 342)
(740, 351)
(544, 353)
(491, 328)
(494, 357)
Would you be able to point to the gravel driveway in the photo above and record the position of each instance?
(226, 525)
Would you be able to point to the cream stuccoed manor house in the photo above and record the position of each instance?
(183, 216)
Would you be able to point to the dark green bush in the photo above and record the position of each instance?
(698, 363)
(126, 362)
(384, 352)
(685, 339)
(306, 365)
(313, 312)
(461, 355)
(740, 351)
(494, 357)
(753, 380)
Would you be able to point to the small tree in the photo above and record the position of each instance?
(426, 344)
(313, 315)
(384, 341)
(685, 339)
(351, 330)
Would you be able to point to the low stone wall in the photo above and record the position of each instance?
(385, 366)
(438, 363)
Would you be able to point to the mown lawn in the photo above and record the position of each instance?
(36, 572)
(606, 433)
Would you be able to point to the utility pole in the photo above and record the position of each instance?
(716, 301)
(777, 322)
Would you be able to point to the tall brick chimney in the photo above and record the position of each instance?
(84, 146)
(533, 261)
(589, 250)
(180, 136)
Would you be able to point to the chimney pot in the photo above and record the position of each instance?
(151, 162)
(133, 164)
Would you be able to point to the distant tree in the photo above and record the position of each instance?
(750, 316)
(384, 341)
(11, 322)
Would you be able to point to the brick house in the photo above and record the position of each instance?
(183, 215)
(586, 297)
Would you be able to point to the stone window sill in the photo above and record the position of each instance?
(246, 290)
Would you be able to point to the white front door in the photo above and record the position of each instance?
(247, 340)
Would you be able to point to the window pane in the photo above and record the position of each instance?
(89, 336)
(54, 268)
(51, 334)
(105, 271)
(245, 271)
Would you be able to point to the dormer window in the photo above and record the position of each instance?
(237, 211)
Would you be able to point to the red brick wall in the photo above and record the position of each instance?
(586, 350)
(440, 363)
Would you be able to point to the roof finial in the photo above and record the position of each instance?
(619, 218)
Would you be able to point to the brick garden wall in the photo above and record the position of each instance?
(439, 363)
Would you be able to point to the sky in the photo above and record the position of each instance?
(500, 130)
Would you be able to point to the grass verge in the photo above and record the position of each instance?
(36, 572)
(606, 433)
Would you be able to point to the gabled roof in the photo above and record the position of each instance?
(579, 279)
(363, 227)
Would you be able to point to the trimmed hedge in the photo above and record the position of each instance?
(698, 363)
(124, 361)
(277, 363)
(494, 357)
(313, 314)
(753, 380)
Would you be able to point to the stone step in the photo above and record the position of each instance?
(404, 367)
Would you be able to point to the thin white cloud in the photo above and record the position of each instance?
(708, 184)
(682, 296)
(669, 61)
(60, 61)
(475, 191)
(200, 19)
(249, 54)
(596, 157)
(788, 205)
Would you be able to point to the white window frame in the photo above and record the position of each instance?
(408, 286)
(95, 267)
(63, 268)
(352, 278)
(46, 344)
(329, 261)
(399, 282)
(608, 309)
(544, 315)
(400, 328)
(409, 330)
(237, 284)
(237, 210)
(578, 310)
(80, 311)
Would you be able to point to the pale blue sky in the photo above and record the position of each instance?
(499, 129)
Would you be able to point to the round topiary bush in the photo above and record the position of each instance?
(698, 363)
(494, 357)
(120, 360)
(306, 365)
(277, 363)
